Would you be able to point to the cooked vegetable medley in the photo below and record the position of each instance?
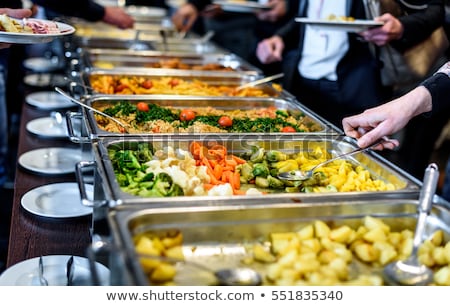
(146, 117)
(214, 171)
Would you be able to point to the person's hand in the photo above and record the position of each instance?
(388, 118)
(391, 30)
(277, 12)
(118, 17)
(15, 13)
(211, 11)
(183, 19)
(270, 50)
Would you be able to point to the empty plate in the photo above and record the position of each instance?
(42, 64)
(25, 273)
(51, 160)
(59, 200)
(45, 80)
(48, 127)
(48, 100)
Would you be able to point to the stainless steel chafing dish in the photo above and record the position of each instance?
(213, 78)
(149, 41)
(219, 237)
(111, 58)
(180, 102)
(405, 185)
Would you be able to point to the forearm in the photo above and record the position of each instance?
(88, 10)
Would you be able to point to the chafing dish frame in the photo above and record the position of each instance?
(228, 226)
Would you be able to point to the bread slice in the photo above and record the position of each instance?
(8, 24)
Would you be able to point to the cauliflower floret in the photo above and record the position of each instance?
(221, 190)
(253, 191)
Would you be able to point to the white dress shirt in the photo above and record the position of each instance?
(323, 49)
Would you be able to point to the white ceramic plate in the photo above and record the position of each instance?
(357, 25)
(52, 161)
(48, 127)
(145, 11)
(45, 80)
(41, 64)
(25, 273)
(30, 38)
(242, 6)
(58, 200)
(48, 100)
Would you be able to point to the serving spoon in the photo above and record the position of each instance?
(65, 94)
(411, 271)
(299, 175)
(237, 276)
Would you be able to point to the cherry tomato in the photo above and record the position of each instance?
(174, 82)
(187, 115)
(142, 106)
(225, 121)
(147, 84)
(288, 129)
(120, 87)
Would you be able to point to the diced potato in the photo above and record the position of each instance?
(312, 245)
(394, 238)
(321, 229)
(157, 244)
(366, 252)
(447, 251)
(340, 267)
(175, 252)
(437, 238)
(273, 271)
(306, 266)
(405, 247)
(173, 239)
(306, 232)
(280, 241)
(290, 275)
(144, 247)
(442, 276)
(261, 254)
(344, 254)
(163, 273)
(439, 257)
(375, 234)
(426, 259)
(288, 259)
(326, 256)
(373, 223)
(342, 234)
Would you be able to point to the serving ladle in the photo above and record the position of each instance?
(411, 271)
(65, 94)
(299, 175)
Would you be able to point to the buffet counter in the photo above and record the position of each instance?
(31, 235)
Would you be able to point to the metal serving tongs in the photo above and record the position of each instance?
(121, 124)
(260, 81)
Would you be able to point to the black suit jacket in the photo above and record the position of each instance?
(358, 71)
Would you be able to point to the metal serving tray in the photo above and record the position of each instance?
(214, 78)
(150, 41)
(110, 59)
(405, 185)
(219, 237)
(180, 102)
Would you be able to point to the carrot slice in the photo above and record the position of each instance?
(218, 170)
